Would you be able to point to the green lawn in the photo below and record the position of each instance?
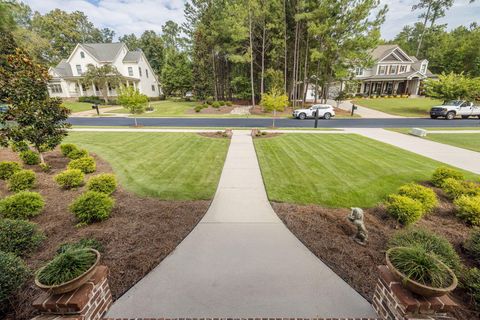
(165, 108)
(469, 141)
(408, 107)
(336, 170)
(170, 166)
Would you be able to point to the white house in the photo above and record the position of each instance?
(132, 65)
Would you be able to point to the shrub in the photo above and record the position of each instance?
(22, 205)
(22, 180)
(198, 108)
(81, 244)
(66, 266)
(442, 173)
(19, 146)
(77, 154)
(472, 244)
(8, 168)
(30, 157)
(456, 188)
(45, 167)
(430, 242)
(468, 209)
(85, 164)
(70, 178)
(406, 210)
(424, 195)
(66, 148)
(104, 183)
(216, 104)
(221, 102)
(420, 266)
(229, 103)
(19, 236)
(13, 273)
(92, 206)
(91, 99)
(471, 282)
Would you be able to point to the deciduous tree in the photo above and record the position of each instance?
(132, 100)
(103, 78)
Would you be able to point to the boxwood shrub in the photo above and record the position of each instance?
(442, 173)
(70, 178)
(22, 205)
(77, 154)
(468, 209)
(426, 196)
(472, 244)
(22, 180)
(104, 183)
(66, 148)
(19, 236)
(30, 157)
(85, 164)
(8, 168)
(92, 206)
(13, 273)
(455, 188)
(404, 209)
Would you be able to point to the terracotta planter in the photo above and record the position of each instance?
(72, 284)
(418, 288)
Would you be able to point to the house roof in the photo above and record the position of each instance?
(383, 50)
(132, 56)
(63, 69)
(104, 52)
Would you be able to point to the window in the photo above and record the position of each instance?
(55, 88)
(403, 69)
(359, 71)
(382, 69)
(393, 69)
(82, 54)
(139, 71)
(423, 68)
(79, 69)
(130, 71)
(146, 72)
(153, 87)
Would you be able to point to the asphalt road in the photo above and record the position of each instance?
(282, 123)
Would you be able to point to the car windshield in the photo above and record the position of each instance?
(453, 103)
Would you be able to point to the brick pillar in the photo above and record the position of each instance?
(89, 302)
(392, 301)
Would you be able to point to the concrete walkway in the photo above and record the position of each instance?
(363, 111)
(241, 261)
(454, 156)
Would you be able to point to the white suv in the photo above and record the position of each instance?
(325, 111)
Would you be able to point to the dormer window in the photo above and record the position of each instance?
(393, 69)
(82, 54)
(130, 71)
(423, 68)
(403, 69)
(382, 69)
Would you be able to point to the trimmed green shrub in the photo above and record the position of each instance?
(430, 242)
(22, 180)
(81, 244)
(13, 273)
(198, 108)
(77, 154)
(216, 104)
(22, 205)
(66, 148)
(30, 157)
(70, 178)
(45, 167)
(19, 236)
(468, 209)
(406, 210)
(424, 195)
(92, 206)
(471, 282)
(472, 244)
(8, 168)
(104, 183)
(19, 146)
(455, 188)
(66, 266)
(221, 102)
(229, 103)
(442, 173)
(85, 164)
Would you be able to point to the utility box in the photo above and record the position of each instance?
(418, 132)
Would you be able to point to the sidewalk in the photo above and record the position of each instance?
(362, 111)
(241, 261)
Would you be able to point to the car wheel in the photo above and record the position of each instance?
(302, 116)
(433, 117)
(327, 116)
(465, 117)
(450, 115)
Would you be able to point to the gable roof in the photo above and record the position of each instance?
(383, 50)
(63, 69)
(132, 56)
(105, 52)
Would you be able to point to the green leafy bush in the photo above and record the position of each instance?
(92, 206)
(442, 173)
(81, 244)
(198, 108)
(66, 148)
(13, 273)
(216, 104)
(430, 242)
(22, 180)
(8, 168)
(85, 164)
(472, 244)
(70, 178)
(468, 209)
(19, 146)
(420, 266)
(30, 157)
(77, 154)
(19, 236)
(424, 195)
(471, 282)
(66, 266)
(104, 183)
(22, 205)
(221, 102)
(455, 188)
(45, 167)
(229, 103)
(406, 210)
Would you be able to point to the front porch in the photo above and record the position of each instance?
(410, 87)
(73, 88)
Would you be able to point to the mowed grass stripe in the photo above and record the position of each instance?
(170, 166)
(337, 170)
(470, 141)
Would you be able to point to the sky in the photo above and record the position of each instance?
(135, 16)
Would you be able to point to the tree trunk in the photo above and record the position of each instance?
(251, 55)
(305, 74)
(42, 160)
(214, 76)
(262, 77)
(424, 28)
(294, 72)
(285, 44)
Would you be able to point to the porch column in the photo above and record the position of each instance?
(128, 83)
(80, 87)
(134, 85)
(94, 89)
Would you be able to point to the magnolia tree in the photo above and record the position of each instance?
(132, 100)
(452, 87)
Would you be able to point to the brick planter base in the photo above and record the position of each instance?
(89, 302)
(392, 301)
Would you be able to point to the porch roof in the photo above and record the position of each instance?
(76, 78)
(395, 77)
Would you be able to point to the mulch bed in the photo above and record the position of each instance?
(328, 234)
(212, 110)
(140, 233)
(217, 134)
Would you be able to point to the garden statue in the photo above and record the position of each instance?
(356, 217)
